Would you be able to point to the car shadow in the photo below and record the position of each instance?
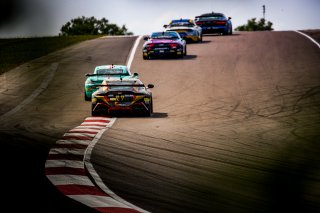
(218, 34)
(203, 42)
(187, 57)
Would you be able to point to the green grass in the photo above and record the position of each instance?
(16, 51)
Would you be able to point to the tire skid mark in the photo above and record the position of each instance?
(50, 74)
(197, 155)
(66, 168)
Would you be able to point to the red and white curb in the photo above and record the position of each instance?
(68, 168)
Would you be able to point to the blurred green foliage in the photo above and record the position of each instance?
(254, 25)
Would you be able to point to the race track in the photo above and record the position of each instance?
(235, 129)
(235, 126)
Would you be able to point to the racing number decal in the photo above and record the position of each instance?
(120, 97)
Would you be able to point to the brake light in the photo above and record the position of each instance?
(199, 22)
(221, 22)
(149, 46)
(173, 45)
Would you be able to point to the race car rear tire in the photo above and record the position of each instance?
(151, 105)
(185, 51)
(230, 33)
(86, 98)
(145, 57)
(150, 109)
(94, 113)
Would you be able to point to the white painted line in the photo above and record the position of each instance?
(49, 75)
(64, 163)
(90, 127)
(80, 134)
(97, 201)
(98, 118)
(65, 179)
(65, 151)
(97, 178)
(76, 142)
(94, 123)
(314, 41)
(84, 130)
(133, 51)
(111, 122)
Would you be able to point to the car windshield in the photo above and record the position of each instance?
(114, 71)
(210, 18)
(120, 85)
(165, 35)
(181, 24)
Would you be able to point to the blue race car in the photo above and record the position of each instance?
(103, 72)
(214, 23)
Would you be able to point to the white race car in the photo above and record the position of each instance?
(187, 29)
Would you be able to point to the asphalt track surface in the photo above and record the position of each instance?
(235, 127)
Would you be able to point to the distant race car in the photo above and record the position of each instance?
(161, 44)
(102, 72)
(214, 23)
(122, 95)
(187, 29)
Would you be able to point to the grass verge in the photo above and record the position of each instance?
(16, 51)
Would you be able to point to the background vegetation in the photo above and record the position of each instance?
(16, 51)
(254, 25)
(92, 26)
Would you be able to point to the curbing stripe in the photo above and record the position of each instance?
(64, 163)
(91, 135)
(80, 190)
(83, 131)
(71, 146)
(80, 142)
(92, 124)
(65, 170)
(66, 151)
(89, 128)
(65, 157)
(66, 179)
(97, 201)
(75, 137)
(97, 120)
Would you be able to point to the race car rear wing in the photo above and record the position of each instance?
(124, 85)
(109, 74)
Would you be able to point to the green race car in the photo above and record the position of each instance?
(103, 72)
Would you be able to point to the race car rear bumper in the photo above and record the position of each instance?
(164, 53)
(135, 107)
(214, 29)
(191, 38)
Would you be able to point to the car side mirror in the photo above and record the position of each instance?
(150, 85)
(135, 74)
(146, 38)
(165, 26)
(88, 74)
(229, 18)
